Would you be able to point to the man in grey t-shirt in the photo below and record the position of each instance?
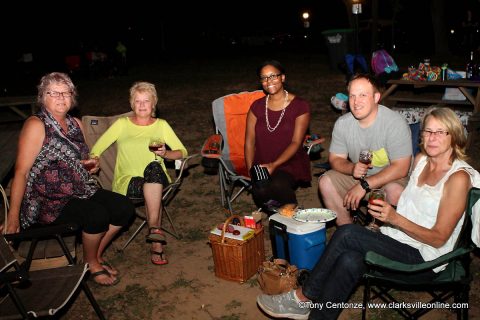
(373, 127)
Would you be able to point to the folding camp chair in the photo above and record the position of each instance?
(168, 194)
(227, 145)
(41, 293)
(454, 281)
(42, 247)
(94, 127)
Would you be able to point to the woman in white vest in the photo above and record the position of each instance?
(425, 225)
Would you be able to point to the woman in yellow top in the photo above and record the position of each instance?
(139, 172)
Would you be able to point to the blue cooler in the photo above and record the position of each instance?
(301, 243)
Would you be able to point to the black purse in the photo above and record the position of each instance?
(259, 174)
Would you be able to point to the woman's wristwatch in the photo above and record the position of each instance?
(364, 184)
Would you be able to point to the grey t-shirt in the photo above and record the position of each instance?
(389, 138)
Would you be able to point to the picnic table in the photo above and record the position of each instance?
(14, 104)
(425, 93)
(9, 133)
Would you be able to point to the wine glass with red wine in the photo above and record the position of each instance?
(90, 163)
(156, 144)
(375, 194)
(365, 157)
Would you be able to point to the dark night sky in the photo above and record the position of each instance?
(57, 29)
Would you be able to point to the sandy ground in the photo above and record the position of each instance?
(187, 288)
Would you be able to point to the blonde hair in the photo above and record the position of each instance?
(454, 128)
(141, 87)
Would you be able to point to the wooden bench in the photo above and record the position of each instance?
(14, 104)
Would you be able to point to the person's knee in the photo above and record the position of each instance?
(347, 232)
(351, 263)
(154, 173)
(127, 207)
(123, 215)
(325, 184)
(96, 221)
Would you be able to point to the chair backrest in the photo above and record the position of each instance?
(465, 237)
(230, 116)
(94, 127)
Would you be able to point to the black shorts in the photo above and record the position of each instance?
(153, 174)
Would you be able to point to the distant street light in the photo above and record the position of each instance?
(306, 23)
(356, 10)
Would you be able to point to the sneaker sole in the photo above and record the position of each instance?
(282, 315)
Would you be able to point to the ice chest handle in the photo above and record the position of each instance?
(276, 228)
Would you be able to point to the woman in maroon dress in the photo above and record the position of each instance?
(276, 127)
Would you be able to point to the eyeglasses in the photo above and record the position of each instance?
(271, 77)
(56, 94)
(439, 133)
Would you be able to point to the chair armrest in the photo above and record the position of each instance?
(311, 141)
(212, 147)
(42, 232)
(378, 261)
(186, 159)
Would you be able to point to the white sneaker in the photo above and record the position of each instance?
(283, 306)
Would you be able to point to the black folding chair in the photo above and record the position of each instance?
(25, 294)
(384, 275)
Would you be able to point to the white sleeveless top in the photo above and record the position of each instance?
(420, 205)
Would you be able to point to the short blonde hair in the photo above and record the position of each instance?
(141, 87)
(454, 128)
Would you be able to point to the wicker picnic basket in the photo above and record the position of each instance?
(237, 260)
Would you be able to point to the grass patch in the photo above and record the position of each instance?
(194, 234)
(233, 304)
(141, 303)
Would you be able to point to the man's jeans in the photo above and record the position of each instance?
(342, 266)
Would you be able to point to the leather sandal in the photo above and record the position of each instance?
(107, 266)
(106, 273)
(158, 262)
(156, 235)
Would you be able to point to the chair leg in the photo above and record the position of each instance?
(237, 194)
(223, 192)
(16, 300)
(144, 222)
(92, 299)
(31, 250)
(366, 298)
(62, 243)
(172, 232)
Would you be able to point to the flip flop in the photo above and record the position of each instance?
(108, 265)
(156, 235)
(106, 273)
(158, 262)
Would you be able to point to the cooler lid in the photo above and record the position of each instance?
(297, 227)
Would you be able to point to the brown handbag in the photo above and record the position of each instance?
(277, 277)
